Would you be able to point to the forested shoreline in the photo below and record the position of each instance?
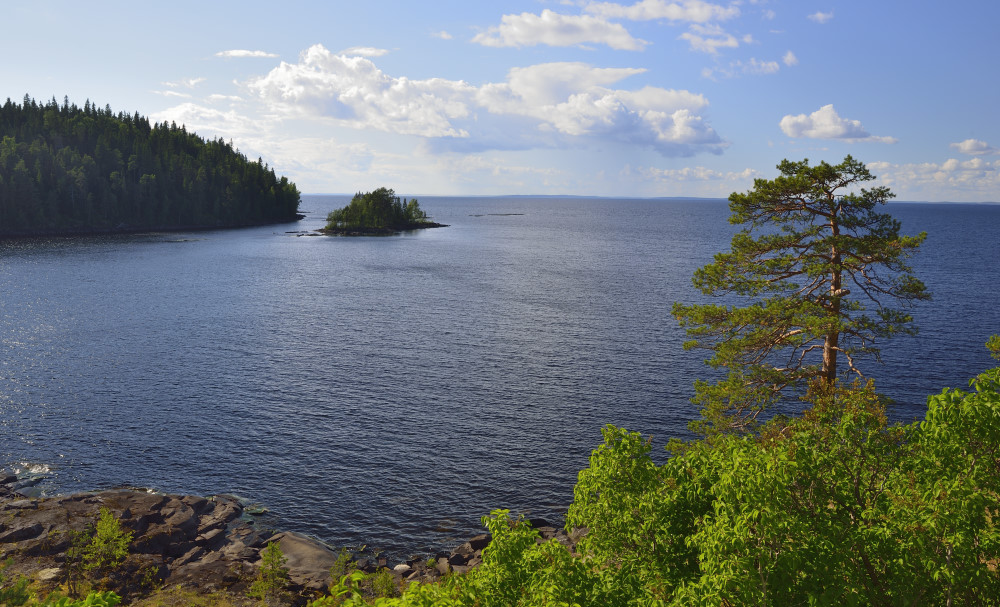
(66, 169)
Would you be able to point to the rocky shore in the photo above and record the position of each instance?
(204, 545)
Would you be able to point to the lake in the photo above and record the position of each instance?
(389, 391)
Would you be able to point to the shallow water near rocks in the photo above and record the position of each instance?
(389, 391)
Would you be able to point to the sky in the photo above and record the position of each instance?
(644, 98)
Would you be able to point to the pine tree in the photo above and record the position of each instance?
(822, 270)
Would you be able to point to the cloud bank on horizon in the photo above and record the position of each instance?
(646, 98)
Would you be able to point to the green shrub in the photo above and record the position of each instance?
(108, 547)
(13, 593)
(97, 552)
(835, 508)
(272, 577)
(342, 565)
(384, 584)
(94, 599)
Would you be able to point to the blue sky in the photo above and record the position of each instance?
(647, 98)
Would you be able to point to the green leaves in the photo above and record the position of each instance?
(69, 169)
(109, 545)
(809, 262)
(378, 209)
(836, 508)
(272, 576)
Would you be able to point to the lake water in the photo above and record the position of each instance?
(391, 390)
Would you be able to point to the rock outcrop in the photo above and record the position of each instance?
(200, 544)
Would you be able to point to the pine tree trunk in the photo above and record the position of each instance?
(832, 341)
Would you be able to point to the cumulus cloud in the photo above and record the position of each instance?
(825, 123)
(353, 91)
(694, 11)
(208, 122)
(790, 59)
(973, 180)
(710, 38)
(443, 35)
(240, 53)
(365, 51)
(821, 17)
(555, 29)
(536, 106)
(975, 147)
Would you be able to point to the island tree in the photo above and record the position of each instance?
(380, 210)
(826, 276)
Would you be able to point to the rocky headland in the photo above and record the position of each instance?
(201, 544)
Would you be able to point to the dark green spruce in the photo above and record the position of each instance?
(378, 212)
(66, 169)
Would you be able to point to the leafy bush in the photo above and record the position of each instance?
(94, 599)
(97, 552)
(16, 593)
(272, 577)
(13, 593)
(384, 584)
(342, 565)
(109, 545)
(837, 507)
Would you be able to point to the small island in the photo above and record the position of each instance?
(378, 213)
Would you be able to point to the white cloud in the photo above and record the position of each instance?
(825, 123)
(318, 158)
(240, 53)
(698, 173)
(754, 67)
(364, 51)
(218, 97)
(974, 180)
(443, 35)
(548, 84)
(472, 168)
(190, 83)
(173, 94)
(573, 99)
(209, 122)
(354, 92)
(537, 106)
(694, 11)
(709, 38)
(790, 59)
(975, 147)
(821, 17)
(555, 29)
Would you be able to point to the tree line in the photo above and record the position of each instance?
(69, 169)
